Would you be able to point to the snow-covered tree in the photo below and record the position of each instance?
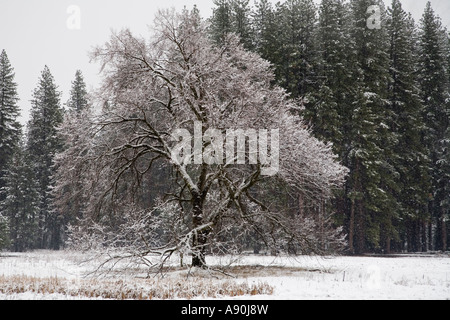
(330, 105)
(296, 65)
(69, 185)
(265, 30)
(232, 16)
(221, 23)
(411, 156)
(20, 206)
(351, 109)
(435, 88)
(10, 128)
(242, 25)
(43, 142)
(78, 94)
(178, 85)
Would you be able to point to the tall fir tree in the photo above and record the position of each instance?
(296, 65)
(232, 16)
(42, 145)
(328, 105)
(242, 24)
(221, 21)
(333, 108)
(78, 94)
(78, 114)
(434, 82)
(411, 157)
(444, 167)
(265, 30)
(9, 112)
(372, 178)
(21, 204)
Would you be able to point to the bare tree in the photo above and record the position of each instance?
(179, 85)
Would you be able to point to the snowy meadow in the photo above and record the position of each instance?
(69, 275)
(211, 161)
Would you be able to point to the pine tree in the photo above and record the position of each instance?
(265, 30)
(9, 112)
(328, 106)
(242, 24)
(232, 16)
(78, 94)
(372, 178)
(443, 165)
(221, 21)
(296, 65)
(78, 115)
(21, 204)
(43, 143)
(332, 108)
(434, 82)
(411, 158)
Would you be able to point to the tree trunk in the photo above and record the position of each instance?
(200, 235)
(351, 227)
(359, 244)
(424, 235)
(430, 235)
(388, 245)
(443, 231)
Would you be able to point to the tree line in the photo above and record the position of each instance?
(28, 218)
(381, 96)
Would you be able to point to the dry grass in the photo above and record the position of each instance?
(138, 289)
(244, 271)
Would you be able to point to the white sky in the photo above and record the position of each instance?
(34, 33)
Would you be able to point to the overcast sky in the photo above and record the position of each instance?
(36, 33)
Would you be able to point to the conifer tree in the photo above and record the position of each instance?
(372, 177)
(411, 156)
(232, 16)
(42, 145)
(221, 21)
(333, 108)
(78, 115)
(21, 204)
(9, 112)
(296, 27)
(434, 82)
(242, 24)
(78, 94)
(328, 106)
(265, 30)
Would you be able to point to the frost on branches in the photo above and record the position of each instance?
(134, 200)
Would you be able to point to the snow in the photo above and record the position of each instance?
(409, 277)
(415, 277)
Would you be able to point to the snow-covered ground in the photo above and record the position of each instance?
(305, 277)
(413, 277)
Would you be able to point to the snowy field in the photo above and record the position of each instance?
(45, 275)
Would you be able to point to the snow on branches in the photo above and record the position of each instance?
(180, 80)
